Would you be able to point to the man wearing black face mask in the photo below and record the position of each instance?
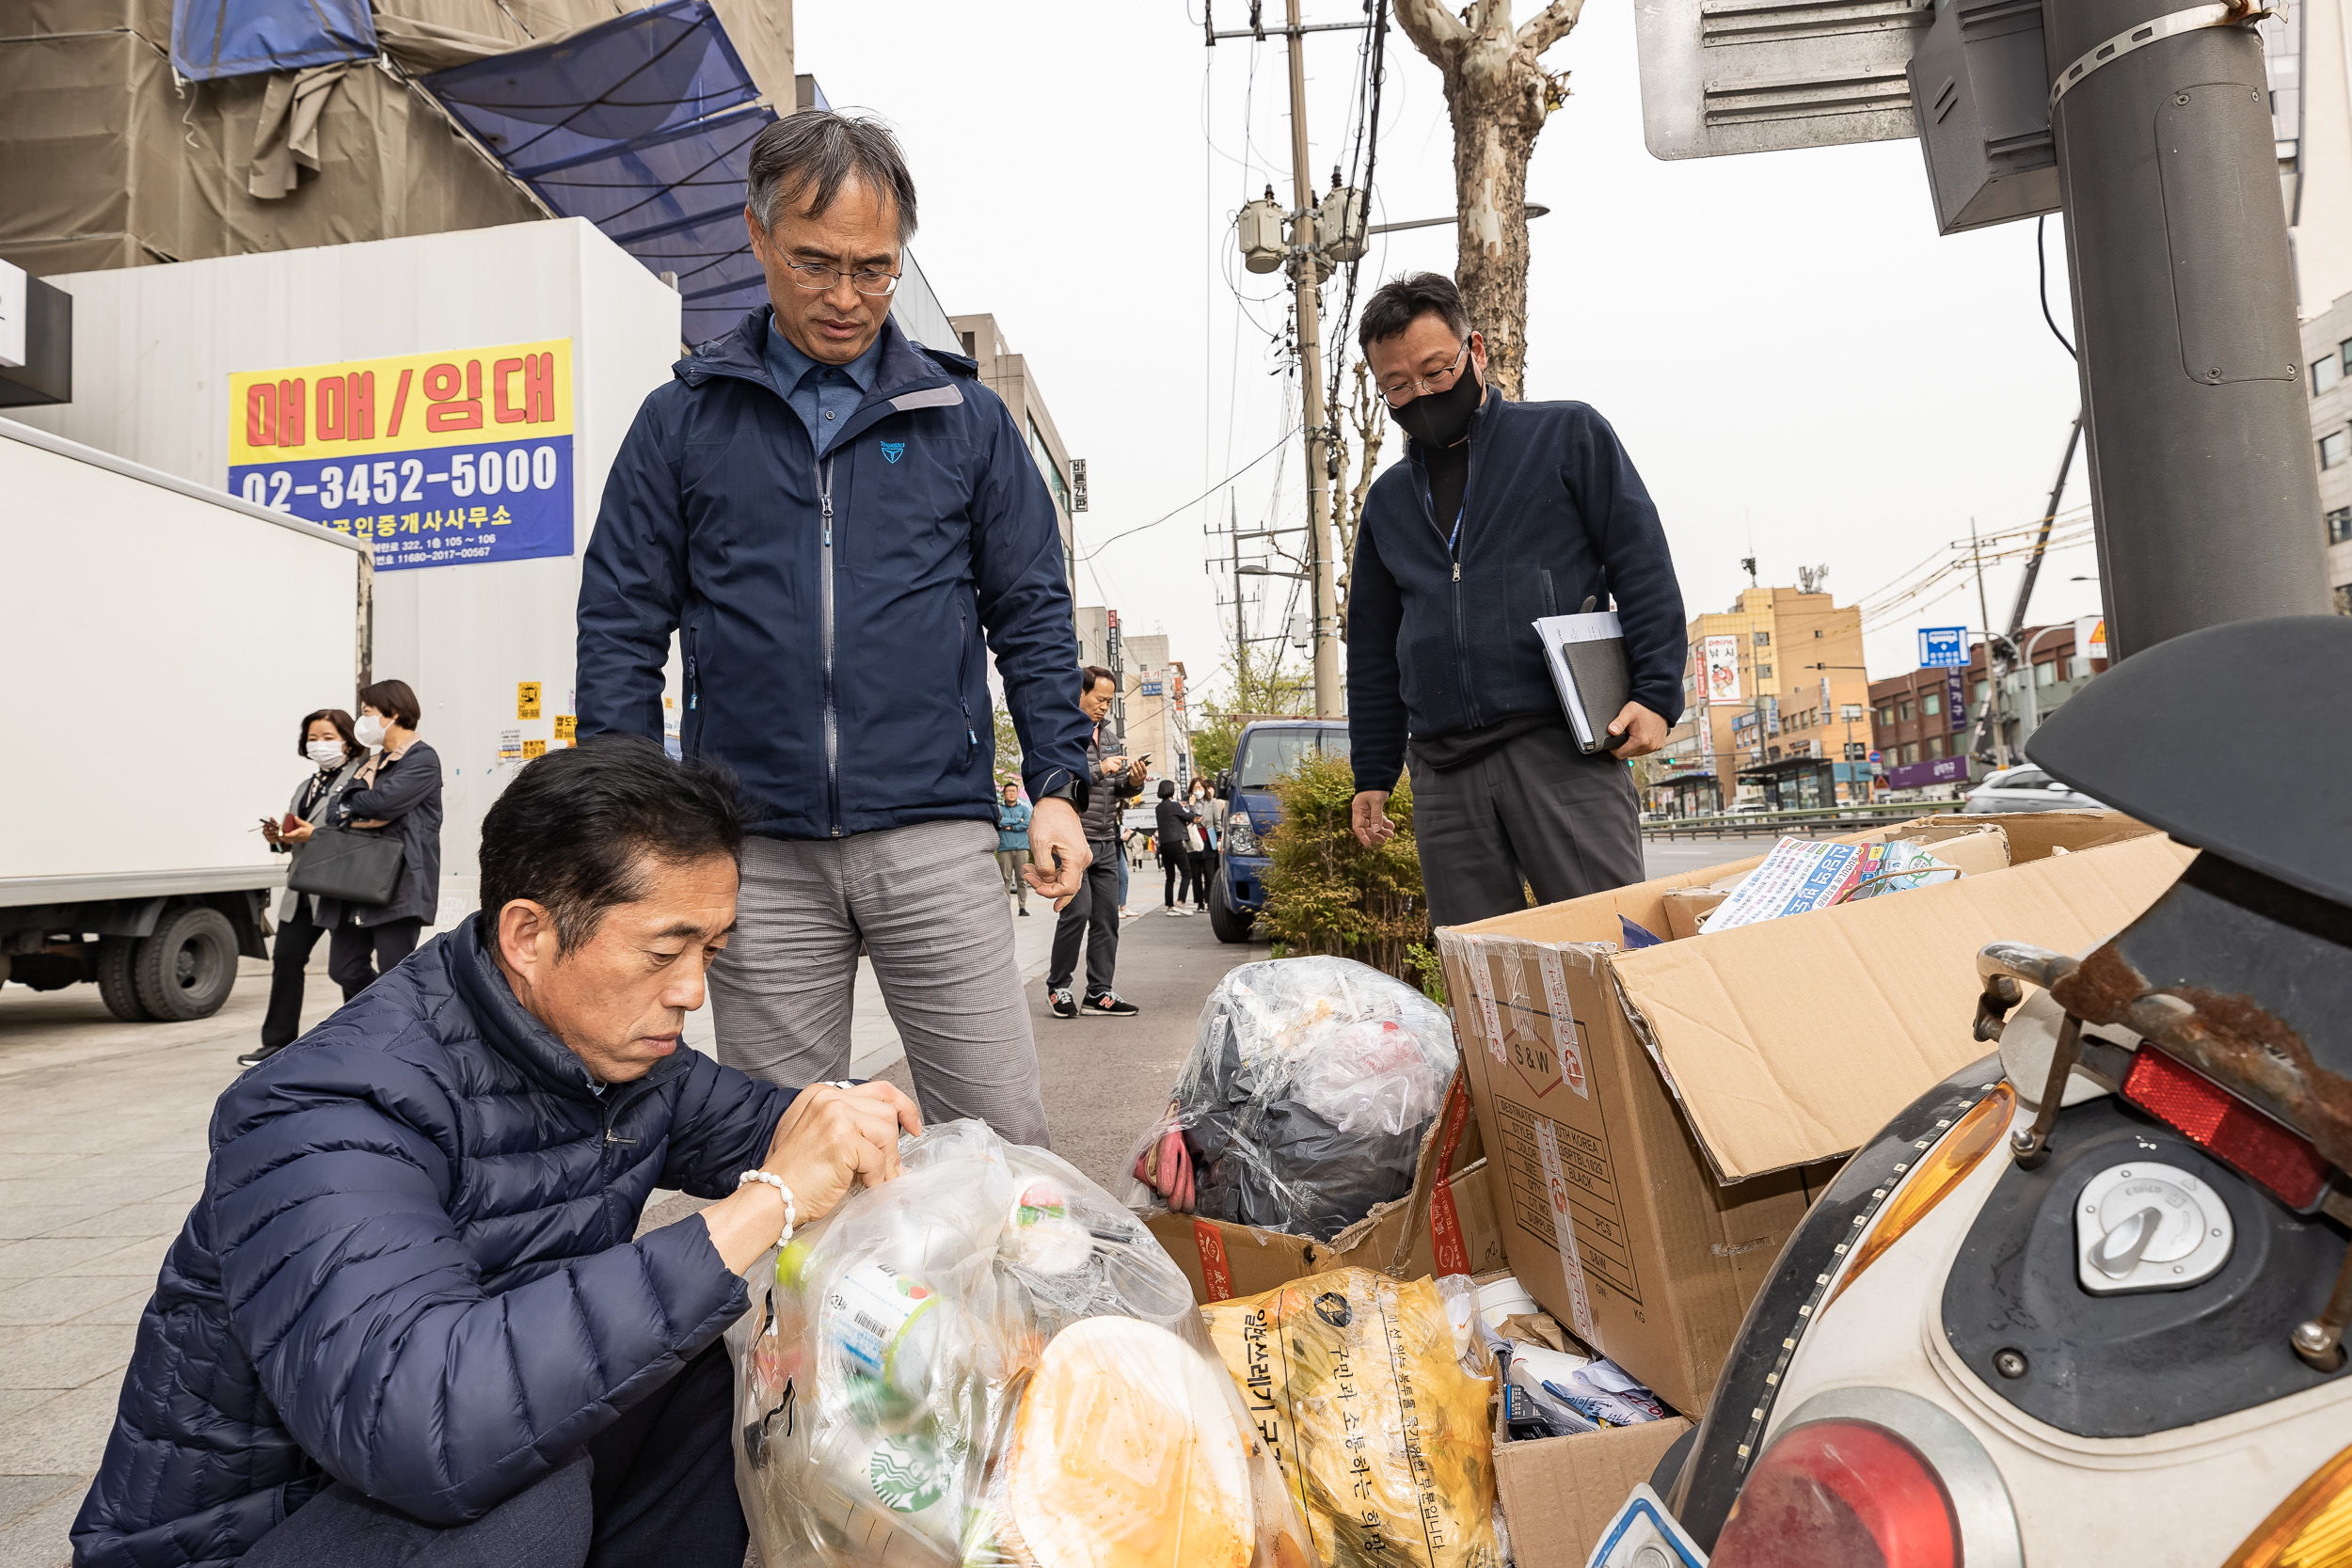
(1504, 512)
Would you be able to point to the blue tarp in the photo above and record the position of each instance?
(642, 125)
(211, 38)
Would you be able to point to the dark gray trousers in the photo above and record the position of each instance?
(1537, 810)
(1091, 917)
(653, 1490)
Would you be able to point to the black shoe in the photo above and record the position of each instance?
(1065, 1005)
(1109, 1004)
(1025, 911)
(255, 1058)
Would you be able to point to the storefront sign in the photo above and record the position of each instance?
(1722, 657)
(1935, 770)
(436, 459)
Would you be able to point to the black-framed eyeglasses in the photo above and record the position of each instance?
(870, 281)
(1397, 397)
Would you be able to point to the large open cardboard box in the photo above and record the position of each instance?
(1657, 1121)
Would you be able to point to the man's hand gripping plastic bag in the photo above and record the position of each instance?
(988, 1363)
(1304, 1101)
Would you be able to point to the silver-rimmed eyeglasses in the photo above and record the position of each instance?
(1397, 397)
(815, 275)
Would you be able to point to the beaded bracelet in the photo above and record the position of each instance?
(791, 1214)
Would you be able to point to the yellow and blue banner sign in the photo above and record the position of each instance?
(436, 459)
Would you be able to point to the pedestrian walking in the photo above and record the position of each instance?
(1504, 512)
(1174, 833)
(328, 743)
(397, 791)
(1012, 844)
(1091, 917)
(1211, 811)
(838, 524)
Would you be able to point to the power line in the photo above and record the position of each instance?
(1196, 501)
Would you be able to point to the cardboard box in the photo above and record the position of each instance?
(1656, 1120)
(1560, 1493)
(1448, 1224)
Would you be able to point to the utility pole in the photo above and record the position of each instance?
(2190, 359)
(1241, 636)
(1993, 671)
(1307, 278)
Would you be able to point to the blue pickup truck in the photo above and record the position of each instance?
(1267, 750)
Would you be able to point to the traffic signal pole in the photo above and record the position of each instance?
(2191, 361)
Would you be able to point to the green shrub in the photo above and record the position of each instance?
(1327, 893)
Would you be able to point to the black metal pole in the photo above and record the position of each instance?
(2202, 472)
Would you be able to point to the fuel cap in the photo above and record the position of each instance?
(2149, 1227)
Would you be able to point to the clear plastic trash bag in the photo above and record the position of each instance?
(988, 1362)
(1304, 1101)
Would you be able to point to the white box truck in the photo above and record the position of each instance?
(162, 643)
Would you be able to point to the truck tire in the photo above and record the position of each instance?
(185, 970)
(115, 985)
(1230, 923)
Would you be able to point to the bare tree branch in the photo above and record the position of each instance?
(1549, 26)
(1435, 31)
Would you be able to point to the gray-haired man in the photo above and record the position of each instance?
(830, 518)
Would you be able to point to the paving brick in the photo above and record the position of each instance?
(62, 1436)
(67, 1355)
(60, 1298)
(52, 1255)
(42, 1539)
(125, 1219)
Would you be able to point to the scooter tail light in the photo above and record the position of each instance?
(2227, 1128)
(2314, 1525)
(1840, 1494)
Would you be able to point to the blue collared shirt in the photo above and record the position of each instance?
(824, 396)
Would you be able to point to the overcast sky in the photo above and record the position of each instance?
(1787, 350)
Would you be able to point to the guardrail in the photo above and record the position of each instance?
(1759, 824)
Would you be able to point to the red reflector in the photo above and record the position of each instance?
(2227, 1128)
(1840, 1495)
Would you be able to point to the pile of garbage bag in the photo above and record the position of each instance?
(1303, 1103)
(1364, 1388)
(988, 1363)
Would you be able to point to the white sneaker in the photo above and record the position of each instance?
(1174, 910)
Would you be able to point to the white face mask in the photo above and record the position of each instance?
(369, 730)
(327, 754)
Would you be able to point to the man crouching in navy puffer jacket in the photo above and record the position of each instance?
(405, 1321)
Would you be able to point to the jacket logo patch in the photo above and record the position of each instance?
(892, 451)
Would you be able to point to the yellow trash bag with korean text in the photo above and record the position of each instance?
(1352, 1381)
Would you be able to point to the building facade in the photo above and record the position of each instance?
(1008, 375)
(1778, 734)
(2327, 358)
(1924, 724)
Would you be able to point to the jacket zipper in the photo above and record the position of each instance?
(1461, 627)
(824, 577)
(963, 665)
(693, 698)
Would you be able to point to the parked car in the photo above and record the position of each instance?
(2015, 789)
(1266, 750)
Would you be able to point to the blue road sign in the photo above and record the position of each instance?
(1944, 647)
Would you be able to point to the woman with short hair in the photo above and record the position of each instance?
(398, 791)
(1174, 817)
(328, 743)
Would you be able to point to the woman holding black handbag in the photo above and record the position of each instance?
(327, 742)
(397, 794)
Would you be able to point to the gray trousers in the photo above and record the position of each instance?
(1537, 810)
(928, 904)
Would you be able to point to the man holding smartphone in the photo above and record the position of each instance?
(1092, 916)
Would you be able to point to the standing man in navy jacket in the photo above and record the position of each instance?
(1502, 512)
(830, 518)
